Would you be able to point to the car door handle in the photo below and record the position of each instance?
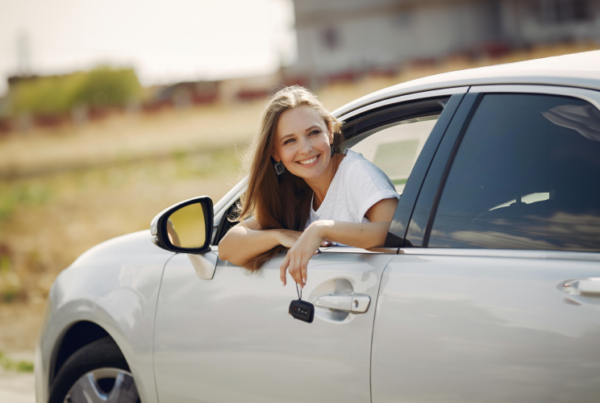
(356, 303)
(586, 286)
(590, 286)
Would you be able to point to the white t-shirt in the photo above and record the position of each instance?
(357, 185)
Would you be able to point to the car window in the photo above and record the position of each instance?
(525, 176)
(394, 148)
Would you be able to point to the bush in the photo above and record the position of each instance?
(19, 366)
(101, 87)
(105, 86)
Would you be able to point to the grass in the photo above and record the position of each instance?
(19, 366)
(43, 235)
(11, 196)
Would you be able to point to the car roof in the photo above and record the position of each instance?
(574, 70)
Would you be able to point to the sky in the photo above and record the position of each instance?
(165, 41)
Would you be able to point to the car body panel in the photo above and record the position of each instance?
(462, 325)
(576, 70)
(115, 285)
(404, 98)
(232, 339)
(468, 327)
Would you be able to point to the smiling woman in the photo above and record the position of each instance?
(302, 193)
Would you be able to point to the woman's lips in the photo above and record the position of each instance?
(309, 162)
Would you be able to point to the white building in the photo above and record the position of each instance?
(344, 35)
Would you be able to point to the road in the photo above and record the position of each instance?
(16, 387)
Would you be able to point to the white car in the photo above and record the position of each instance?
(487, 290)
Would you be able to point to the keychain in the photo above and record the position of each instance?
(302, 310)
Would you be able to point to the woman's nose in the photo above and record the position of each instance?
(306, 146)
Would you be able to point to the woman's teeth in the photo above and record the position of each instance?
(307, 162)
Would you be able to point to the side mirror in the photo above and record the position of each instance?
(185, 227)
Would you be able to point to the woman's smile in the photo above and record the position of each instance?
(309, 162)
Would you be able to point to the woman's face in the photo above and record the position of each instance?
(303, 142)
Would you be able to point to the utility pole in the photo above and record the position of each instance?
(23, 54)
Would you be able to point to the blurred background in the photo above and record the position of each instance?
(112, 110)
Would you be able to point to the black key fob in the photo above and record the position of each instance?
(302, 310)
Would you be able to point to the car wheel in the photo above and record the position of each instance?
(95, 373)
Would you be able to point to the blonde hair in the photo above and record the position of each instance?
(284, 202)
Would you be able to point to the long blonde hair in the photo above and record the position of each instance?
(284, 202)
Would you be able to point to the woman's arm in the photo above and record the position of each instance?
(361, 235)
(242, 243)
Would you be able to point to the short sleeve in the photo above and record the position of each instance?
(366, 185)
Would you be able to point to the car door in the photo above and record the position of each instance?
(498, 299)
(230, 339)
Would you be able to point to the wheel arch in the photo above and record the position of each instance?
(78, 335)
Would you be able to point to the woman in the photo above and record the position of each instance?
(302, 194)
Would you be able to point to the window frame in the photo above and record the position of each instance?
(368, 118)
(443, 161)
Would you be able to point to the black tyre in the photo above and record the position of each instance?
(96, 373)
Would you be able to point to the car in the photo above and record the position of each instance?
(487, 288)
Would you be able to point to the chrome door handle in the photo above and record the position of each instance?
(586, 286)
(357, 303)
(590, 286)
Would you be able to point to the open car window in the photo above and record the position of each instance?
(391, 137)
(394, 148)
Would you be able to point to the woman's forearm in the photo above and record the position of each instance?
(361, 235)
(241, 244)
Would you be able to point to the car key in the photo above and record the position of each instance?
(302, 310)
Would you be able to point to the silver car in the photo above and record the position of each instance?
(487, 289)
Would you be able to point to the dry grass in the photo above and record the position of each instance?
(113, 176)
(125, 138)
(83, 208)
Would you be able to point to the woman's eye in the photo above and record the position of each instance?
(288, 141)
(315, 132)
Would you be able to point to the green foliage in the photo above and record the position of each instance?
(24, 366)
(10, 284)
(19, 366)
(103, 86)
(13, 196)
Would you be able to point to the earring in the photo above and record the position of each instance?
(279, 168)
(332, 150)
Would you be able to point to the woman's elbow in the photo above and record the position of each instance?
(227, 252)
(225, 255)
(225, 249)
(379, 237)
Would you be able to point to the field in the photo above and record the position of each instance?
(64, 190)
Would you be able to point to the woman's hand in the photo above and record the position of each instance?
(300, 253)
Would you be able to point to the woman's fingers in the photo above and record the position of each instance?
(297, 272)
(283, 268)
(304, 270)
(297, 258)
(294, 269)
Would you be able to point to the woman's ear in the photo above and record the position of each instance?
(275, 156)
(330, 129)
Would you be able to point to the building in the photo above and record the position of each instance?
(349, 36)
